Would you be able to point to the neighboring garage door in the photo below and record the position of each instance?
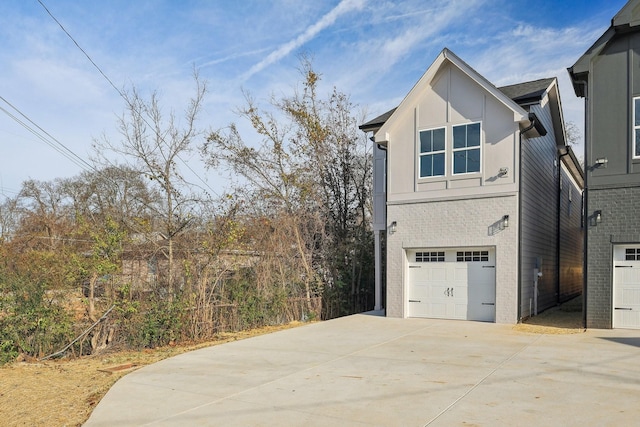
(626, 286)
(452, 284)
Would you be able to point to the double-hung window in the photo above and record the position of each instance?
(466, 148)
(636, 127)
(432, 152)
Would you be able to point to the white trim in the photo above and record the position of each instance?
(455, 150)
(431, 153)
(634, 128)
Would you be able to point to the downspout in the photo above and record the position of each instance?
(532, 119)
(380, 298)
(585, 198)
(560, 156)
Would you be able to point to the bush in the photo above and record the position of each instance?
(32, 322)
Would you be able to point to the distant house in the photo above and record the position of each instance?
(608, 77)
(477, 199)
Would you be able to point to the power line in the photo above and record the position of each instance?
(122, 95)
(50, 141)
(81, 49)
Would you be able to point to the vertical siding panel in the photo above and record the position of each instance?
(571, 239)
(539, 215)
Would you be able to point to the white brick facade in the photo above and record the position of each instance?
(454, 224)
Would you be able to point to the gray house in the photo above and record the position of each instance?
(476, 197)
(608, 77)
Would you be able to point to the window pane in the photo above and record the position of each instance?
(636, 103)
(473, 135)
(438, 140)
(637, 148)
(425, 141)
(460, 162)
(438, 164)
(426, 165)
(459, 136)
(473, 160)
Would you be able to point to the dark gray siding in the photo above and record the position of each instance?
(615, 80)
(539, 219)
(620, 224)
(571, 240)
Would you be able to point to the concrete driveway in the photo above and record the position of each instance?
(366, 370)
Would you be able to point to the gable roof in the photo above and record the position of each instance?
(448, 57)
(522, 94)
(528, 92)
(377, 122)
(626, 20)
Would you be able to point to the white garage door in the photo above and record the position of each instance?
(452, 284)
(626, 287)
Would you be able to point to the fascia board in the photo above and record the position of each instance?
(557, 115)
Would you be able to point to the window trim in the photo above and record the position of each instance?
(634, 129)
(430, 153)
(455, 150)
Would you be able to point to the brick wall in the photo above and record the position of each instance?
(452, 224)
(620, 224)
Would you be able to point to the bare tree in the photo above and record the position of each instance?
(155, 143)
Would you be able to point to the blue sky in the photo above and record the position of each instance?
(374, 50)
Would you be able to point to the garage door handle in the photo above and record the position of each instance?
(414, 300)
(624, 266)
(488, 303)
(488, 266)
(622, 308)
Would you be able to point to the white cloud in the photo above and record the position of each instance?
(345, 6)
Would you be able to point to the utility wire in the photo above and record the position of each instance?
(50, 141)
(122, 95)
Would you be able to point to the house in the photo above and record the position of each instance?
(607, 77)
(475, 197)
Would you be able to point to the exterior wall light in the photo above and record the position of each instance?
(598, 216)
(505, 221)
(393, 227)
(503, 171)
(602, 162)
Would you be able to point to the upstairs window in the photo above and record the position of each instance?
(432, 152)
(466, 148)
(636, 128)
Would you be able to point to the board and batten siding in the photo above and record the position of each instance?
(539, 219)
(451, 99)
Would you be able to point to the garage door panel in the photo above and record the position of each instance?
(439, 274)
(626, 287)
(438, 310)
(631, 296)
(450, 288)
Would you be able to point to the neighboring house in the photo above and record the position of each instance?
(608, 77)
(475, 193)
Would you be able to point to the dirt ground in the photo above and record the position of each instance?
(64, 392)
